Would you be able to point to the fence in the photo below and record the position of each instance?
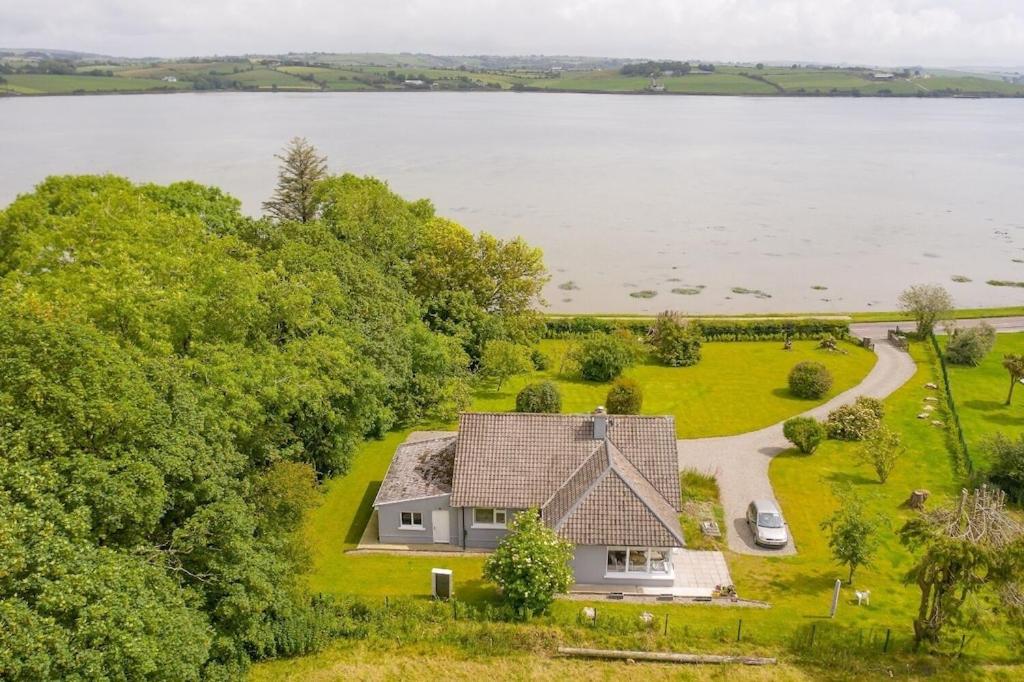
(959, 444)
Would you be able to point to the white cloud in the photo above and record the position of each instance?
(890, 32)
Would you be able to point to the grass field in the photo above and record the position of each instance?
(185, 69)
(736, 387)
(980, 395)
(972, 85)
(827, 81)
(266, 79)
(798, 588)
(37, 84)
(716, 84)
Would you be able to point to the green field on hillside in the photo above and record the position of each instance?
(36, 84)
(827, 81)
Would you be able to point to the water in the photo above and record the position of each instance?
(623, 193)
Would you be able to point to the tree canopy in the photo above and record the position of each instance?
(176, 376)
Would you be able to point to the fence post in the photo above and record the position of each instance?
(888, 635)
(963, 641)
(814, 630)
(455, 610)
(739, 630)
(386, 604)
(666, 624)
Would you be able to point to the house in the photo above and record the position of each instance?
(414, 83)
(170, 79)
(882, 76)
(607, 484)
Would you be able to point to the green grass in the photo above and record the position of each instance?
(824, 82)
(972, 85)
(595, 81)
(336, 525)
(980, 394)
(184, 69)
(266, 79)
(716, 84)
(737, 386)
(798, 588)
(700, 491)
(39, 84)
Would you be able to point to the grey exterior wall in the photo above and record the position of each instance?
(483, 538)
(389, 517)
(590, 561)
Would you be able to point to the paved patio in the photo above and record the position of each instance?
(697, 574)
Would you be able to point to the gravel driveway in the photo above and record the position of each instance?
(740, 463)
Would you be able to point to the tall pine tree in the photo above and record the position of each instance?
(301, 168)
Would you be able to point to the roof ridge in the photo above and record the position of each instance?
(454, 435)
(641, 496)
(548, 415)
(574, 472)
(581, 498)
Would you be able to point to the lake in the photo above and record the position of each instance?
(818, 204)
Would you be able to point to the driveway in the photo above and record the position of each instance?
(740, 463)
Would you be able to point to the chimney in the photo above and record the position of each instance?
(600, 423)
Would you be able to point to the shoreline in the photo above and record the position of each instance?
(8, 94)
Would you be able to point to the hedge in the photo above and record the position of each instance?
(710, 330)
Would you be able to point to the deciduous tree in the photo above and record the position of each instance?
(928, 303)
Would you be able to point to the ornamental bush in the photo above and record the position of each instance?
(806, 433)
(539, 360)
(531, 564)
(970, 346)
(625, 397)
(603, 357)
(542, 396)
(856, 421)
(810, 380)
(676, 342)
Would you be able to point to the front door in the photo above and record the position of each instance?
(439, 521)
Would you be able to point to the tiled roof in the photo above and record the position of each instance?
(518, 460)
(559, 504)
(613, 513)
(419, 469)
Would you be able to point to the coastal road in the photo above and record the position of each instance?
(878, 330)
(740, 463)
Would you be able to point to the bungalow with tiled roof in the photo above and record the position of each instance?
(609, 484)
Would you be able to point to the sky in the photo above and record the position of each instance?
(870, 32)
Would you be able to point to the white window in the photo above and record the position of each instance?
(484, 517)
(638, 561)
(411, 520)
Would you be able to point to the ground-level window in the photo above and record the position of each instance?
(639, 560)
(411, 519)
(494, 518)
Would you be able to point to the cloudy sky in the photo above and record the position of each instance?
(884, 32)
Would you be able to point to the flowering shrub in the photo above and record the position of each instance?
(856, 421)
(531, 564)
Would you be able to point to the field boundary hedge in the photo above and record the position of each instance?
(959, 444)
(710, 329)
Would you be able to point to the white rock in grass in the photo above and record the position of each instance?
(931, 399)
(936, 422)
(647, 616)
(931, 385)
(923, 415)
(589, 613)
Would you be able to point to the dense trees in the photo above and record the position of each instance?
(175, 377)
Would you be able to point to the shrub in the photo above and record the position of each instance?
(856, 421)
(625, 397)
(873, 404)
(501, 360)
(540, 361)
(881, 450)
(970, 346)
(675, 340)
(603, 357)
(810, 380)
(1007, 471)
(531, 564)
(806, 433)
(542, 396)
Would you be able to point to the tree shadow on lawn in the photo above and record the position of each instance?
(984, 405)
(784, 393)
(850, 478)
(362, 515)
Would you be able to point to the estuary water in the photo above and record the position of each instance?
(810, 204)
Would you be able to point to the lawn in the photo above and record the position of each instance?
(737, 387)
(798, 588)
(980, 395)
(37, 84)
(826, 81)
(597, 81)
